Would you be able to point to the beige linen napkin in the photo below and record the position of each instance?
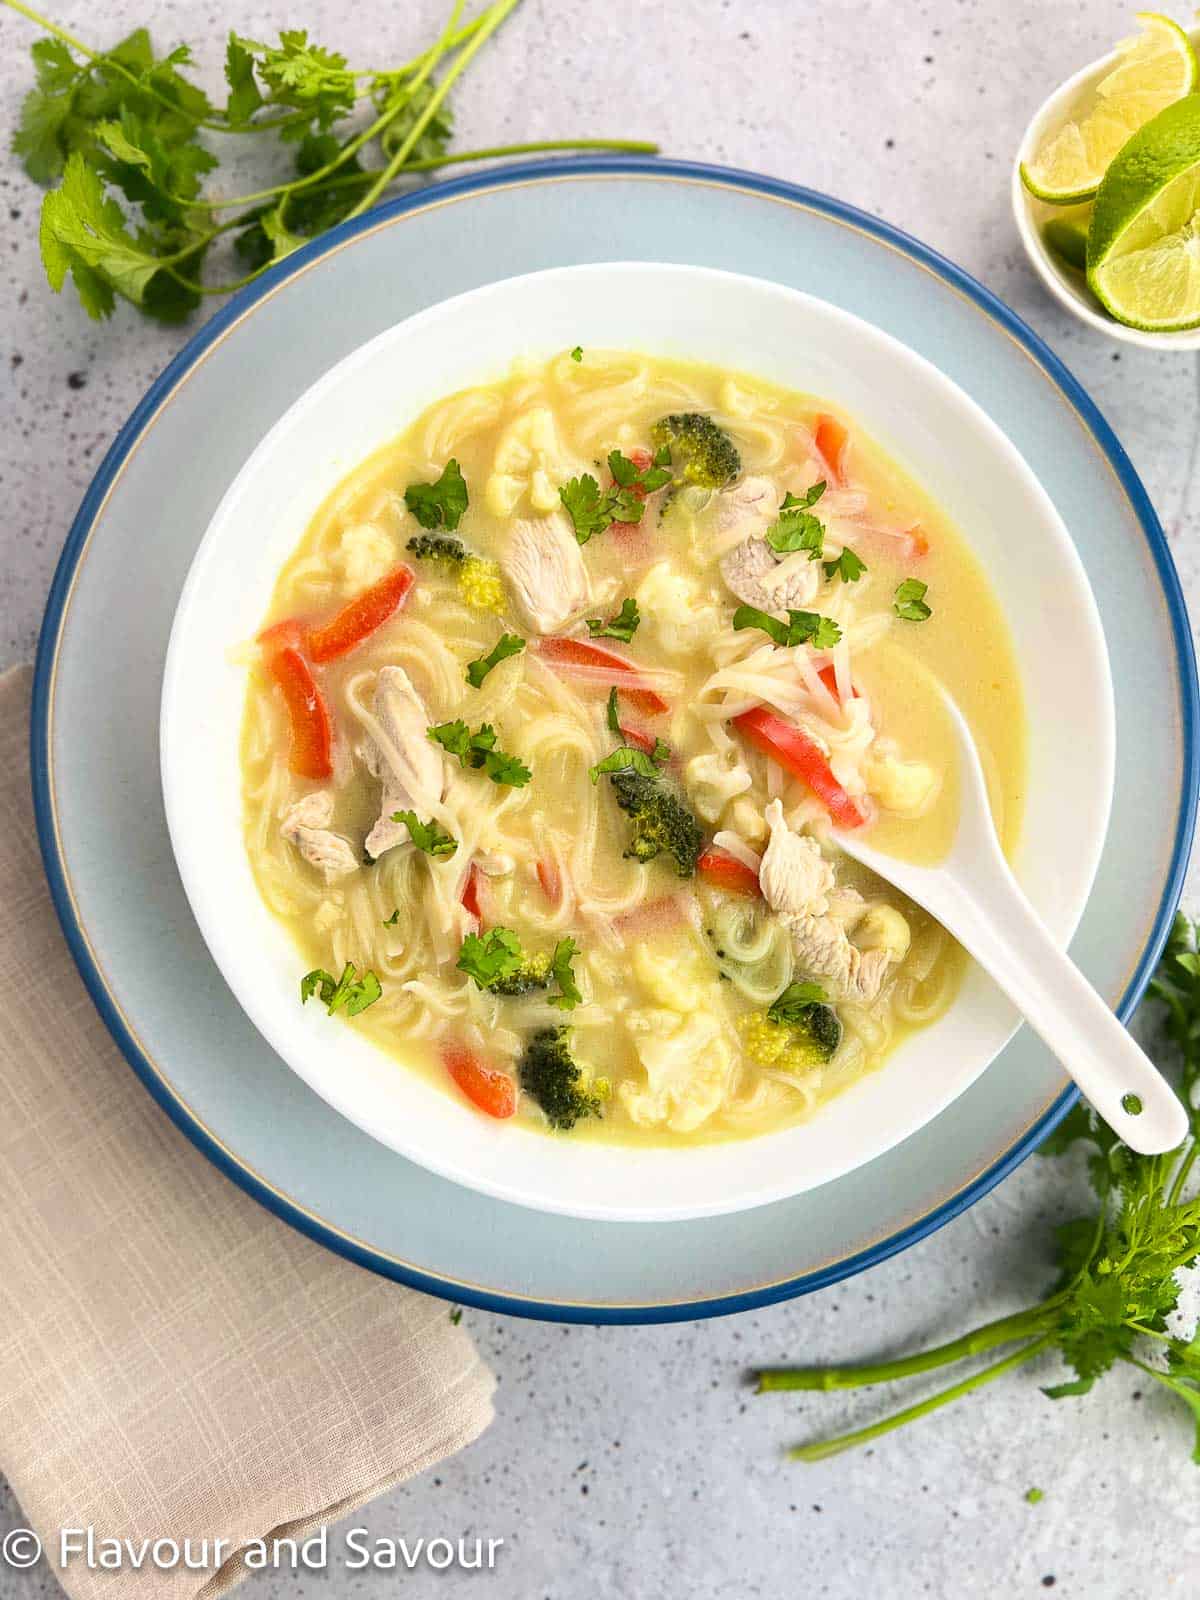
(175, 1361)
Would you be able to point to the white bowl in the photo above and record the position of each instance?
(1032, 214)
(918, 415)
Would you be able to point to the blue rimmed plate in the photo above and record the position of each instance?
(96, 758)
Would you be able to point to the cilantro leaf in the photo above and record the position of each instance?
(440, 504)
(508, 644)
(626, 758)
(577, 353)
(349, 993)
(568, 996)
(802, 627)
(84, 233)
(623, 626)
(244, 96)
(797, 528)
(910, 600)
(590, 511)
(390, 922)
(848, 567)
(430, 837)
(628, 475)
(612, 714)
(478, 751)
(790, 1007)
(490, 956)
(315, 83)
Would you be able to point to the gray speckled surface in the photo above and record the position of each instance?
(635, 1461)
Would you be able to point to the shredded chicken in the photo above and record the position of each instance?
(750, 567)
(406, 761)
(798, 884)
(306, 825)
(545, 570)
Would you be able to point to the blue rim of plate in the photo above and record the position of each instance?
(525, 172)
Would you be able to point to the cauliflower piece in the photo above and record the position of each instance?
(712, 782)
(883, 928)
(673, 605)
(530, 460)
(363, 555)
(906, 786)
(683, 1042)
(746, 820)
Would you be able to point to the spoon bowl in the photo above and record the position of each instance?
(975, 896)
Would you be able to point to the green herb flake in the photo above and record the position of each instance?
(577, 353)
(490, 956)
(797, 528)
(456, 1315)
(802, 627)
(429, 837)
(848, 567)
(391, 922)
(1032, 1496)
(440, 504)
(508, 644)
(626, 758)
(568, 996)
(349, 993)
(478, 751)
(909, 602)
(623, 626)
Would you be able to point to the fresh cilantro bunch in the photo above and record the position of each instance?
(1118, 1279)
(124, 141)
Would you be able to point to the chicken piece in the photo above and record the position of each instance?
(306, 825)
(798, 884)
(545, 572)
(750, 567)
(406, 761)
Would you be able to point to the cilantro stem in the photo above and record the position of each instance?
(846, 1441)
(490, 21)
(1005, 1330)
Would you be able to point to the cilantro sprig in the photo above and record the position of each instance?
(497, 962)
(797, 528)
(478, 751)
(349, 993)
(623, 626)
(122, 133)
(592, 509)
(1117, 1284)
(802, 627)
(430, 837)
(508, 644)
(909, 601)
(439, 504)
(848, 567)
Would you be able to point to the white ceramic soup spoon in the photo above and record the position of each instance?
(975, 897)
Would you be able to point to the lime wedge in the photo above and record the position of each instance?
(1067, 236)
(1154, 69)
(1144, 242)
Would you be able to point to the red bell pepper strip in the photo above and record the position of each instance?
(312, 733)
(488, 1088)
(579, 653)
(831, 439)
(828, 677)
(550, 879)
(358, 620)
(796, 753)
(727, 872)
(470, 894)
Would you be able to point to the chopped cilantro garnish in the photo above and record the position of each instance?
(802, 627)
(797, 528)
(478, 751)
(495, 961)
(791, 1006)
(390, 922)
(508, 644)
(626, 758)
(349, 993)
(568, 996)
(430, 837)
(910, 601)
(623, 626)
(489, 956)
(577, 353)
(592, 509)
(440, 504)
(848, 567)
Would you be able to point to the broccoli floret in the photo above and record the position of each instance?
(808, 1039)
(533, 973)
(551, 1076)
(661, 821)
(437, 547)
(701, 453)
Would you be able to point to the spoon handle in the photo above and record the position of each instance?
(1000, 928)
